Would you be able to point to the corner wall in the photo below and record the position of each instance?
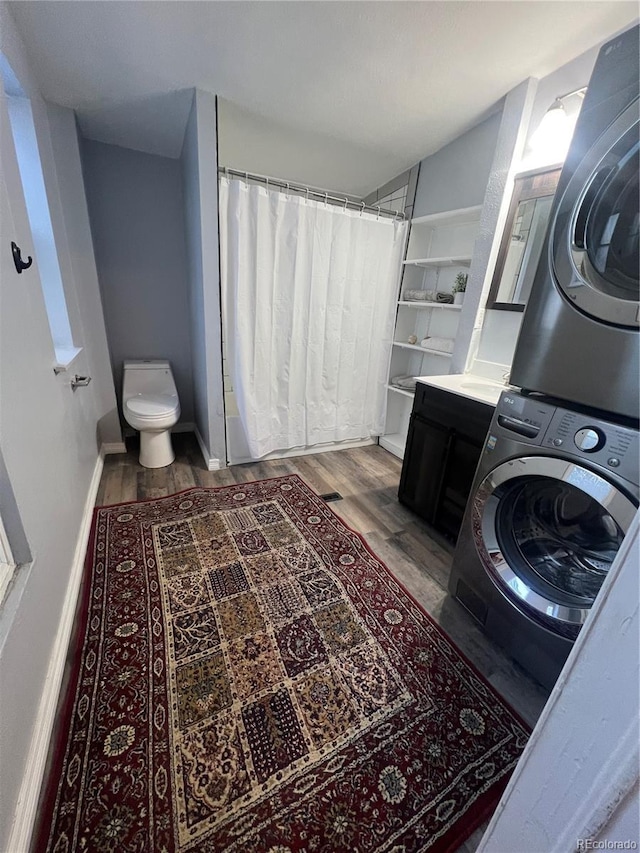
(456, 176)
(199, 163)
(136, 208)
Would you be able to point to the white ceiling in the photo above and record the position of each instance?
(399, 79)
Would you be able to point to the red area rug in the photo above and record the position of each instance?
(250, 677)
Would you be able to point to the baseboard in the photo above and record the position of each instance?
(211, 462)
(109, 447)
(23, 822)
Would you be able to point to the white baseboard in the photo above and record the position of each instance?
(23, 822)
(211, 462)
(108, 447)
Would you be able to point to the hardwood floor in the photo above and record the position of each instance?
(367, 478)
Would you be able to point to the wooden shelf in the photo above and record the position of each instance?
(394, 442)
(402, 391)
(417, 303)
(422, 349)
(462, 261)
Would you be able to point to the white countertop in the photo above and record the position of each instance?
(468, 385)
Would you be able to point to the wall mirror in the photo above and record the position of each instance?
(522, 239)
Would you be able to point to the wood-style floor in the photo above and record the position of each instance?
(367, 478)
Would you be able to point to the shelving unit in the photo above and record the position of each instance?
(440, 246)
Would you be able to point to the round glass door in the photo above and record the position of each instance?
(549, 531)
(596, 233)
(610, 232)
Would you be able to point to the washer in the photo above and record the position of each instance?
(554, 494)
(579, 339)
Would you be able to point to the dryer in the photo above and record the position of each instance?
(579, 339)
(554, 494)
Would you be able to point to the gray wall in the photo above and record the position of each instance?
(456, 176)
(137, 220)
(199, 162)
(48, 432)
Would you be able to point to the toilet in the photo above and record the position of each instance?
(150, 404)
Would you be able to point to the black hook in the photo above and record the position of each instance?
(17, 259)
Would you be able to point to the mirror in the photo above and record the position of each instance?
(523, 237)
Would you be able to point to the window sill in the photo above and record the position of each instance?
(65, 356)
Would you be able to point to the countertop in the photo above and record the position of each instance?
(468, 385)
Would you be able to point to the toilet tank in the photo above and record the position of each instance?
(147, 377)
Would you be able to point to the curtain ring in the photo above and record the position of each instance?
(288, 196)
(266, 180)
(307, 192)
(326, 199)
(246, 177)
(346, 202)
(378, 216)
(362, 208)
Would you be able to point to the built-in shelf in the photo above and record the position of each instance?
(450, 217)
(440, 246)
(417, 303)
(394, 442)
(421, 349)
(460, 261)
(401, 391)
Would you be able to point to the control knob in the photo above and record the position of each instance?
(589, 439)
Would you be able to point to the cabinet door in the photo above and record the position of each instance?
(462, 462)
(424, 465)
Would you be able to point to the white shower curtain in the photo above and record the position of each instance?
(309, 293)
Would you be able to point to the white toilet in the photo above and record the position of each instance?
(150, 404)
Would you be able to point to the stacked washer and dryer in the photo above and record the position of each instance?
(558, 483)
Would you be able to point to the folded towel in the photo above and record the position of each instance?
(406, 382)
(440, 344)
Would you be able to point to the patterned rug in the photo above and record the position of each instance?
(249, 677)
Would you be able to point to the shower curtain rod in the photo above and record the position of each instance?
(308, 191)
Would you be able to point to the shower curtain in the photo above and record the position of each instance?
(309, 292)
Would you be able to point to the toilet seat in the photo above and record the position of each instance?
(150, 406)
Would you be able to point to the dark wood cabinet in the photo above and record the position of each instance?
(444, 443)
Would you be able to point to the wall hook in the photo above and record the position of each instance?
(17, 259)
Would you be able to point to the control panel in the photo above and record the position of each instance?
(532, 421)
(610, 445)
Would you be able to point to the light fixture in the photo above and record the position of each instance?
(551, 139)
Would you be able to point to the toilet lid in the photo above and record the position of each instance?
(152, 405)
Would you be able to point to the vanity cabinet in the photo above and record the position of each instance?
(444, 443)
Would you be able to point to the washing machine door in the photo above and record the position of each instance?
(547, 531)
(595, 239)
